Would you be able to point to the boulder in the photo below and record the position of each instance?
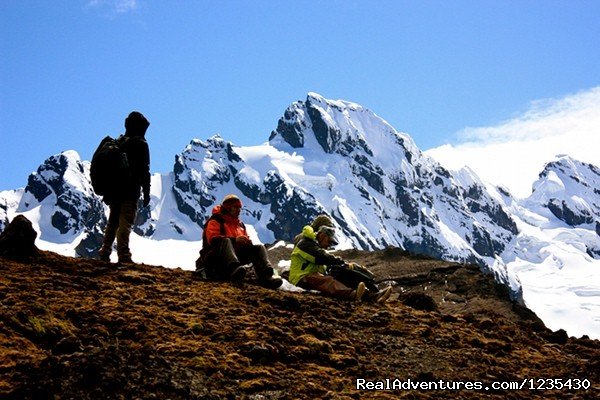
(18, 239)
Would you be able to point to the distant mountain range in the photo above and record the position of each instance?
(339, 158)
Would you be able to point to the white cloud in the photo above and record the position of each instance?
(115, 6)
(513, 153)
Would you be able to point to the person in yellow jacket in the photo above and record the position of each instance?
(309, 262)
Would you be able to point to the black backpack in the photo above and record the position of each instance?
(110, 167)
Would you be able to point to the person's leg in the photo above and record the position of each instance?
(126, 219)
(110, 232)
(328, 285)
(222, 262)
(257, 255)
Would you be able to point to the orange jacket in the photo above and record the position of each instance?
(233, 226)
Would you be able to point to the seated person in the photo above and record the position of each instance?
(309, 262)
(226, 248)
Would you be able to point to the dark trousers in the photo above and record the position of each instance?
(120, 222)
(224, 257)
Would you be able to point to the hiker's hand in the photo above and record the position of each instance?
(146, 199)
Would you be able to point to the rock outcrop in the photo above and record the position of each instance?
(18, 239)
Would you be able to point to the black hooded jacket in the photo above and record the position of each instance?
(134, 144)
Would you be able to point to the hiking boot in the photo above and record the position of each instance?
(200, 273)
(125, 260)
(272, 282)
(359, 292)
(384, 294)
(104, 257)
(238, 274)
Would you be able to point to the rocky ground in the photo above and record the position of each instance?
(84, 329)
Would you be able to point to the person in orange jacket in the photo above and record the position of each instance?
(227, 248)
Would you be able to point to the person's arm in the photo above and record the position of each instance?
(321, 256)
(140, 164)
(145, 173)
(213, 230)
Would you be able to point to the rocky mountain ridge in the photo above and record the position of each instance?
(365, 165)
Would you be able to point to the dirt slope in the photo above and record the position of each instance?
(83, 329)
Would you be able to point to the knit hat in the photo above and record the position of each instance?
(231, 200)
(320, 221)
(329, 231)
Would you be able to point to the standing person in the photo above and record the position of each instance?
(124, 196)
(226, 248)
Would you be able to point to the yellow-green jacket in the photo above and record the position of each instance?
(308, 258)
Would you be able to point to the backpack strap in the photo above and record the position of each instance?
(219, 218)
(205, 244)
(122, 140)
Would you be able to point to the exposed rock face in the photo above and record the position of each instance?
(90, 244)
(386, 169)
(61, 188)
(562, 211)
(3, 215)
(570, 189)
(291, 207)
(62, 184)
(18, 239)
(199, 170)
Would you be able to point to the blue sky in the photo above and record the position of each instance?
(71, 70)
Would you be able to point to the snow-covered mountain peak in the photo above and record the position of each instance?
(341, 127)
(60, 198)
(209, 156)
(341, 105)
(573, 173)
(569, 189)
(58, 172)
